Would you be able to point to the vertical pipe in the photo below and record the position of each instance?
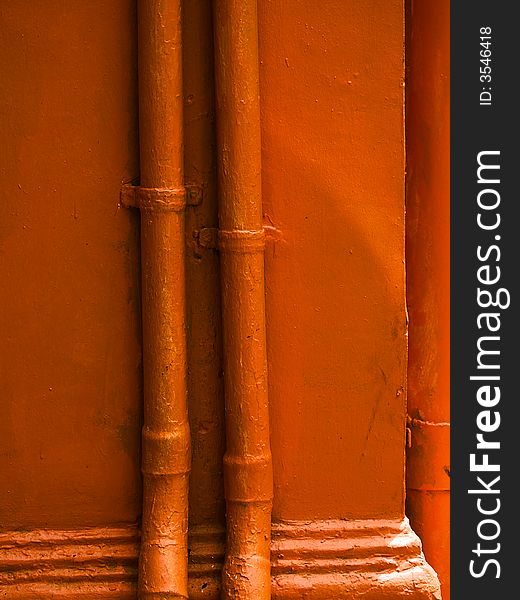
(428, 278)
(163, 571)
(247, 462)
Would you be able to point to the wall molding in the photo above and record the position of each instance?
(96, 563)
(322, 560)
(369, 559)
(91, 564)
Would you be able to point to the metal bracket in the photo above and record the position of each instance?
(245, 241)
(194, 194)
(176, 199)
(153, 199)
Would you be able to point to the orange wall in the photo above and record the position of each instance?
(332, 123)
(71, 363)
(333, 187)
(333, 184)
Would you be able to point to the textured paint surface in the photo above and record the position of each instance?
(333, 184)
(70, 318)
(428, 267)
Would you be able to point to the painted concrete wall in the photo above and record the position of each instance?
(71, 365)
(332, 102)
(333, 173)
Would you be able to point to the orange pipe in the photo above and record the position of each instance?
(428, 278)
(163, 564)
(248, 477)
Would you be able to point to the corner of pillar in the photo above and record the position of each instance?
(346, 560)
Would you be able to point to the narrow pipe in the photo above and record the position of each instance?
(247, 463)
(163, 563)
(428, 278)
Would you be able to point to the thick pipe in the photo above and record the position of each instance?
(247, 463)
(163, 563)
(428, 278)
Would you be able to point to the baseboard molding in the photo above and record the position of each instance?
(321, 560)
(84, 564)
(206, 557)
(340, 560)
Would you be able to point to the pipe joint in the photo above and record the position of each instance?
(166, 452)
(241, 241)
(248, 479)
(428, 466)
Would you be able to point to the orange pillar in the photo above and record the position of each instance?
(333, 189)
(247, 463)
(428, 278)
